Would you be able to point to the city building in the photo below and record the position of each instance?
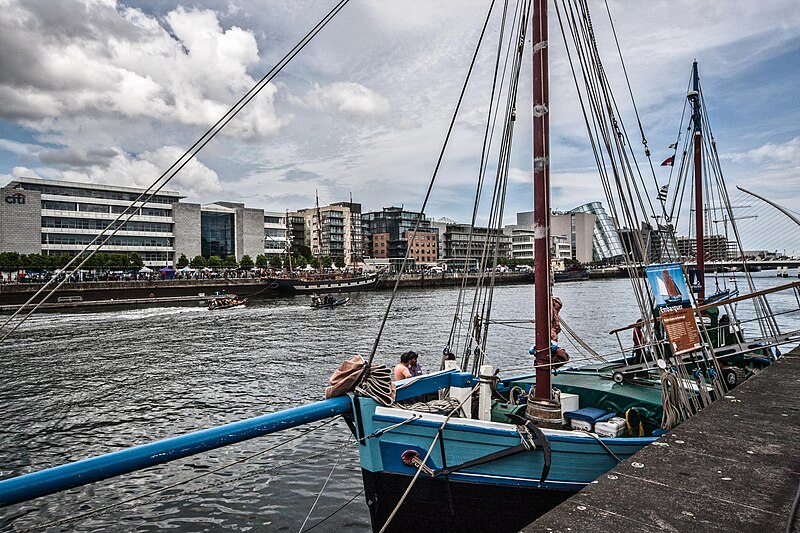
(649, 244)
(715, 248)
(40, 216)
(464, 244)
(388, 235)
(356, 231)
(328, 230)
(49, 217)
(522, 244)
(276, 236)
(606, 244)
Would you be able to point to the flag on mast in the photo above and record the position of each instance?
(662, 193)
(668, 162)
(673, 146)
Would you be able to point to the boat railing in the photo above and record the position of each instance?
(725, 338)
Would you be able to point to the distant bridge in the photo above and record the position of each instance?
(764, 264)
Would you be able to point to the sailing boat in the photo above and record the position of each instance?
(319, 282)
(434, 465)
(444, 467)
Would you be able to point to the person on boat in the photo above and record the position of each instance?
(639, 346)
(315, 299)
(413, 364)
(558, 355)
(402, 370)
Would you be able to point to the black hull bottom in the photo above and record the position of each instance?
(435, 505)
(288, 286)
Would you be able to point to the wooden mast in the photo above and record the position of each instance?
(541, 198)
(319, 234)
(289, 242)
(694, 98)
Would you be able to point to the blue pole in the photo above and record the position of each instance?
(29, 486)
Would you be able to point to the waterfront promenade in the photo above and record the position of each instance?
(732, 467)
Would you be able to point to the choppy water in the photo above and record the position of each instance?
(81, 384)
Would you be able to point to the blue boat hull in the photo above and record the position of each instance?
(471, 493)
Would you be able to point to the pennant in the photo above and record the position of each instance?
(662, 193)
(668, 162)
(673, 146)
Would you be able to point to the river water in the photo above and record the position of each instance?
(74, 385)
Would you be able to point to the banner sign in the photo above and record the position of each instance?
(694, 280)
(668, 285)
(681, 330)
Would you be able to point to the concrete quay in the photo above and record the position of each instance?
(164, 292)
(735, 466)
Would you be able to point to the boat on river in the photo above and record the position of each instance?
(321, 302)
(217, 304)
(532, 441)
(322, 283)
(572, 273)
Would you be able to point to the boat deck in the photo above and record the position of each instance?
(733, 467)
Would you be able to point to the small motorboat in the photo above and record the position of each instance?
(225, 303)
(327, 301)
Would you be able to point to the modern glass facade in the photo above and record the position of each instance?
(607, 244)
(217, 234)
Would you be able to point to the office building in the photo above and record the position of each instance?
(388, 234)
(51, 217)
(464, 245)
(40, 216)
(327, 230)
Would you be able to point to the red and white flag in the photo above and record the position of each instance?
(673, 146)
(668, 162)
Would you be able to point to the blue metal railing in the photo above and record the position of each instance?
(29, 486)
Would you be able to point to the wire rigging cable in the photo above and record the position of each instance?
(170, 172)
(432, 182)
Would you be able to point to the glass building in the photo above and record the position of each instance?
(217, 233)
(606, 242)
(58, 217)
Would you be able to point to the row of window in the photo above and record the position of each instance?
(117, 240)
(89, 193)
(90, 223)
(95, 208)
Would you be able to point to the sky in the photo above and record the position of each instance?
(113, 92)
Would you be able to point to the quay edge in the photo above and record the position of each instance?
(732, 467)
(163, 292)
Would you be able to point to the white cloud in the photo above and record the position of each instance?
(349, 99)
(365, 107)
(109, 61)
(786, 155)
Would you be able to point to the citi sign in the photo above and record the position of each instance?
(17, 198)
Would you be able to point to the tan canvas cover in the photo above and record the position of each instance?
(346, 377)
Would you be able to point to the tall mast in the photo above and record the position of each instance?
(694, 98)
(541, 197)
(319, 234)
(289, 242)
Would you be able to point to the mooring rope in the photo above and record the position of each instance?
(348, 502)
(427, 455)
(319, 495)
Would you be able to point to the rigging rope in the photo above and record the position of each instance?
(425, 459)
(431, 183)
(168, 174)
(321, 490)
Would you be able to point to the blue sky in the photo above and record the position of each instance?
(112, 92)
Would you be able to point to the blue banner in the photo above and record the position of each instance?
(668, 285)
